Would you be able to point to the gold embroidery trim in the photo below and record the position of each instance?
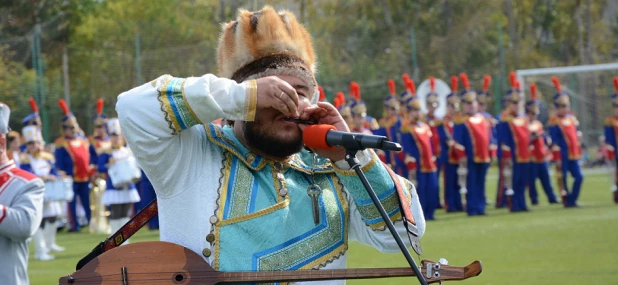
(251, 100)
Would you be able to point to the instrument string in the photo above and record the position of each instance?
(250, 275)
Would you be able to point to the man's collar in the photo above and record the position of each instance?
(7, 166)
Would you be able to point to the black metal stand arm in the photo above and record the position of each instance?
(351, 159)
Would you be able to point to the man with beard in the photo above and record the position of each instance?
(238, 194)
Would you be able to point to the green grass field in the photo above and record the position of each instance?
(549, 245)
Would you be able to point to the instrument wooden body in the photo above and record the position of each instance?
(163, 263)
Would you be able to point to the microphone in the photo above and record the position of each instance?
(327, 137)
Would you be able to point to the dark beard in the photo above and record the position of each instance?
(268, 143)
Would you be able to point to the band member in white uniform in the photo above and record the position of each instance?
(21, 206)
(119, 194)
(41, 164)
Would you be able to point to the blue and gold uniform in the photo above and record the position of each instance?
(539, 151)
(563, 128)
(472, 135)
(514, 139)
(389, 127)
(73, 159)
(611, 138)
(448, 159)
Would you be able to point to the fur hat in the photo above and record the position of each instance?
(265, 43)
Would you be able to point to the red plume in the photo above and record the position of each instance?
(454, 83)
(432, 84)
(337, 102)
(322, 94)
(33, 105)
(532, 91)
(99, 106)
(64, 107)
(410, 86)
(616, 83)
(405, 77)
(486, 82)
(556, 82)
(464, 80)
(391, 87)
(355, 90)
(517, 84)
(512, 78)
(340, 98)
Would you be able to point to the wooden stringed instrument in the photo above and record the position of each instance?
(164, 263)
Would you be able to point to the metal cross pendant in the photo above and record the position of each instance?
(314, 192)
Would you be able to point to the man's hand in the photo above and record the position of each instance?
(273, 92)
(326, 113)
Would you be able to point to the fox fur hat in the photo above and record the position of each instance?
(265, 43)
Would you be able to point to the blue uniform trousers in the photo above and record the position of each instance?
(572, 166)
(147, 194)
(501, 199)
(521, 172)
(427, 190)
(540, 170)
(82, 192)
(475, 183)
(438, 202)
(452, 198)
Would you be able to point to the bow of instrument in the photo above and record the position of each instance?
(163, 263)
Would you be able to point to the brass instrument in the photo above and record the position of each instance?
(99, 223)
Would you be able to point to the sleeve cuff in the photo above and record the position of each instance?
(250, 99)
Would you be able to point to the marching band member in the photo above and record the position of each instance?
(472, 134)
(611, 141)
(514, 139)
(567, 149)
(119, 198)
(246, 183)
(21, 206)
(343, 108)
(448, 155)
(13, 140)
(41, 164)
(539, 151)
(73, 160)
(432, 102)
(99, 140)
(483, 99)
(361, 122)
(418, 156)
(146, 194)
(389, 127)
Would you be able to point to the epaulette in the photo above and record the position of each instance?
(553, 121)
(59, 142)
(459, 119)
(24, 159)
(405, 127)
(47, 156)
(575, 120)
(506, 118)
(609, 121)
(91, 140)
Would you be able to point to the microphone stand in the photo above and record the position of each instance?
(350, 158)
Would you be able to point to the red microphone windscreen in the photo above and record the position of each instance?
(314, 136)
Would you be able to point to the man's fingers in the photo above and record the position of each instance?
(287, 100)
